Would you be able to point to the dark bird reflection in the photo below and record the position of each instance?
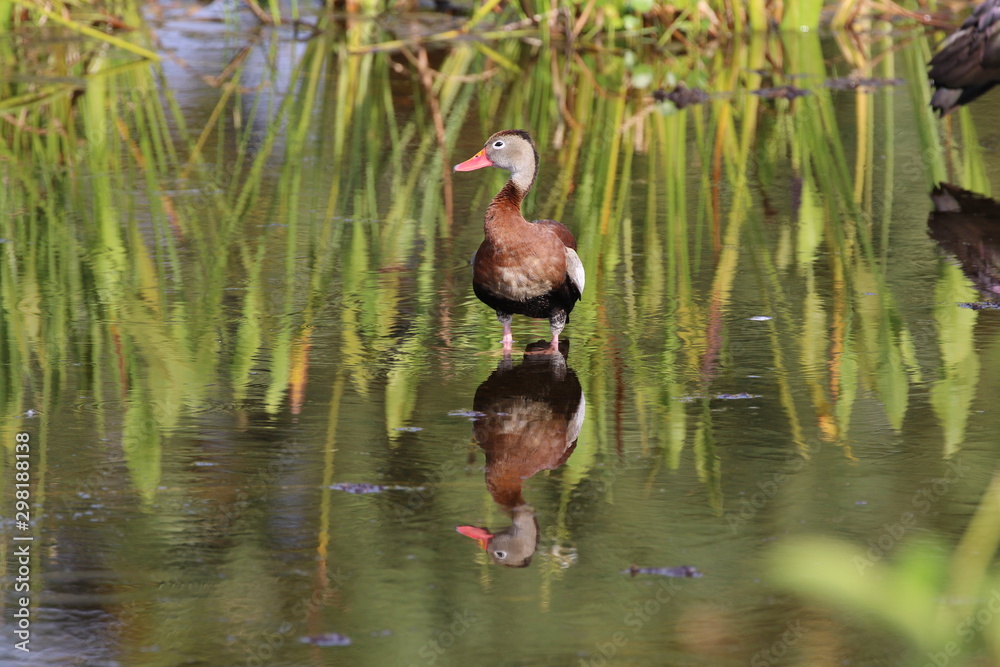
(968, 62)
(530, 418)
(967, 225)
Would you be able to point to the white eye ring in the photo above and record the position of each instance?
(500, 554)
(497, 144)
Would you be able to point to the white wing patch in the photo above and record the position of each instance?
(574, 267)
(576, 423)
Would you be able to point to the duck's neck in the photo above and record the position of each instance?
(506, 205)
(506, 490)
(522, 179)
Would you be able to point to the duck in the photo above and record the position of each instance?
(530, 416)
(968, 62)
(521, 267)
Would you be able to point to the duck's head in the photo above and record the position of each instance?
(513, 546)
(512, 150)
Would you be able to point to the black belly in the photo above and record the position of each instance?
(542, 306)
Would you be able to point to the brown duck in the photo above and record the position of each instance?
(521, 267)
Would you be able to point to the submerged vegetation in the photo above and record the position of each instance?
(176, 263)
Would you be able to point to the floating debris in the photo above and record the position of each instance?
(781, 93)
(408, 429)
(679, 571)
(741, 395)
(760, 318)
(351, 487)
(980, 305)
(862, 84)
(681, 96)
(327, 639)
(472, 414)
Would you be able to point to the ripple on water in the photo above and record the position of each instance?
(204, 406)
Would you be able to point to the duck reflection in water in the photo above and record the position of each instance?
(530, 418)
(967, 225)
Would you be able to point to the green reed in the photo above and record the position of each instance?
(607, 133)
(202, 264)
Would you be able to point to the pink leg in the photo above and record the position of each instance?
(508, 337)
(556, 322)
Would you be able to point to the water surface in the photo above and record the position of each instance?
(216, 351)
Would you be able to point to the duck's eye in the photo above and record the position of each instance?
(498, 144)
(500, 554)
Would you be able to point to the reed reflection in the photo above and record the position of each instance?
(531, 414)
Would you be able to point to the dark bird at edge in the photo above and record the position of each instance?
(968, 62)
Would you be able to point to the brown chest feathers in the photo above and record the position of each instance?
(519, 260)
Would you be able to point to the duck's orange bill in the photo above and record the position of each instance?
(480, 535)
(477, 161)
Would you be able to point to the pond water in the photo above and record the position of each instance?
(240, 334)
